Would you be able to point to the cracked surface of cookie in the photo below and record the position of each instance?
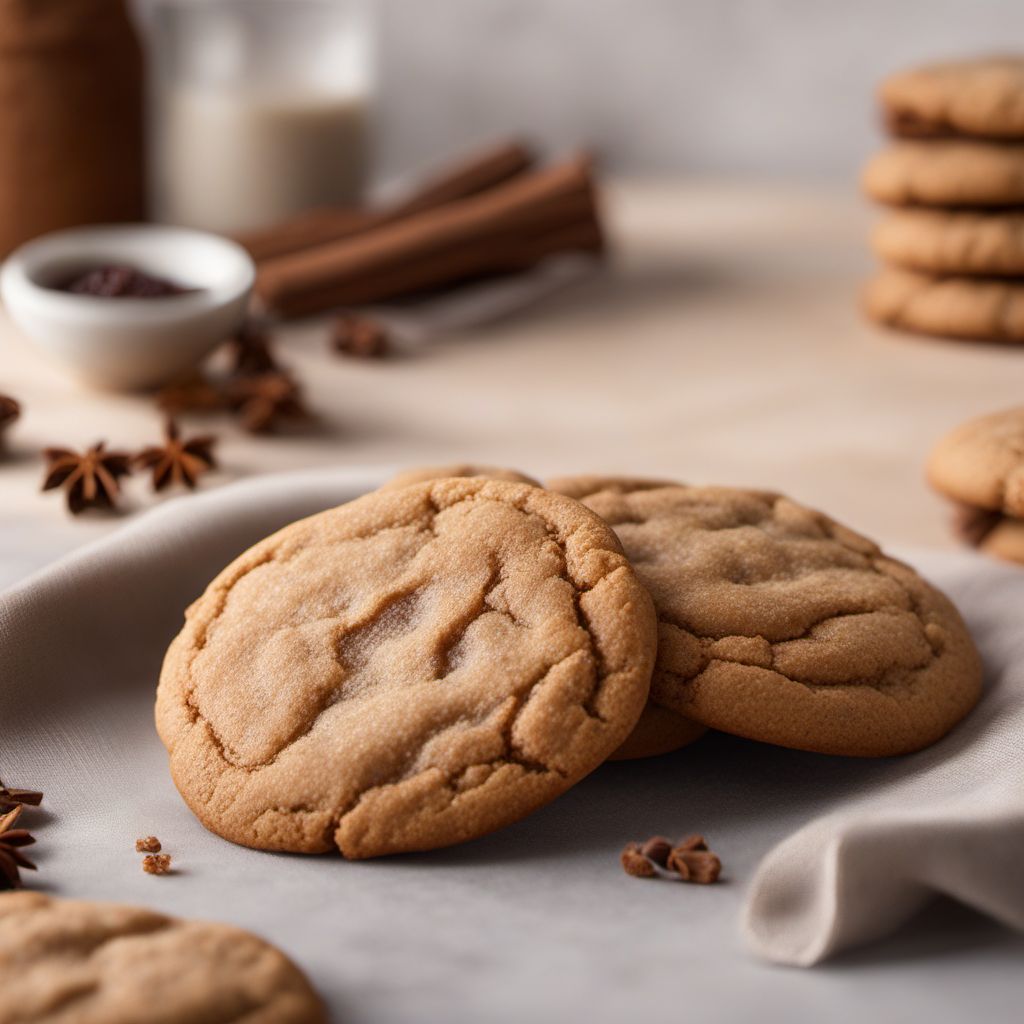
(984, 309)
(946, 173)
(778, 624)
(981, 463)
(952, 241)
(410, 670)
(983, 97)
(75, 962)
(422, 474)
(659, 730)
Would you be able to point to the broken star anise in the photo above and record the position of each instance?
(11, 857)
(265, 398)
(177, 461)
(89, 477)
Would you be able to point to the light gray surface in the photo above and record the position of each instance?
(733, 87)
(535, 923)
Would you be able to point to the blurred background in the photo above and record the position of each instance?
(403, 178)
(709, 87)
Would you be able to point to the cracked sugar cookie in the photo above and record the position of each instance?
(101, 963)
(778, 624)
(413, 669)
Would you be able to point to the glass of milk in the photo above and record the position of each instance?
(260, 109)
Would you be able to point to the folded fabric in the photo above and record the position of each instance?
(949, 820)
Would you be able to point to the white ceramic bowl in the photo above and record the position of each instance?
(128, 343)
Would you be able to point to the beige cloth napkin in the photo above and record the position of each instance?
(948, 820)
(532, 917)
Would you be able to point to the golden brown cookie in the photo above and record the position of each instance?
(946, 173)
(659, 731)
(413, 669)
(421, 474)
(983, 97)
(952, 242)
(985, 309)
(778, 624)
(101, 963)
(981, 463)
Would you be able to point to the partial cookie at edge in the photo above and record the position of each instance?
(981, 463)
(102, 963)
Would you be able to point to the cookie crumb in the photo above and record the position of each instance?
(150, 844)
(635, 863)
(157, 864)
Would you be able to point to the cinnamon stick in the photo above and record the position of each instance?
(508, 228)
(473, 174)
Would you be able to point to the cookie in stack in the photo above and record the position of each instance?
(952, 179)
(980, 466)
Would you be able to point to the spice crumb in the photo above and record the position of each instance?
(689, 860)
(157, 864)
(150, 844)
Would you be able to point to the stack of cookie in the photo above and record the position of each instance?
(953, 182)
(980, 467)
(443, 656)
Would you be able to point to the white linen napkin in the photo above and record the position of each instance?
(868, 842)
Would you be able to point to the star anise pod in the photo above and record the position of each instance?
(361, 337)
(10, 410)
(177, 461)
(11, 798)
(251, 353)
(89, 478)
(195, 393)
(266, 398)
(11, 857)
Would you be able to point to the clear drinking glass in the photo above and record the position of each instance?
(260, 109)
